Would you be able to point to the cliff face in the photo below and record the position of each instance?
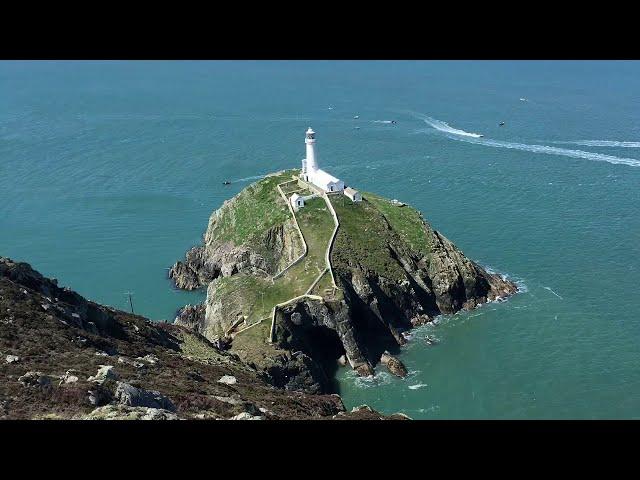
(241, 237)
(66, 357)
(393, 270)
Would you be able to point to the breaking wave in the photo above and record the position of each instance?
(460, 135)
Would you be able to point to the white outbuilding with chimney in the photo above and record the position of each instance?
(314, 175)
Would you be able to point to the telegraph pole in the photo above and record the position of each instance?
(130, 300)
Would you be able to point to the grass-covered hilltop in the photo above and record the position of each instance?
(341, 289)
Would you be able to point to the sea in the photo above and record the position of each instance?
(109, 171)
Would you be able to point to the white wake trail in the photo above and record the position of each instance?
(547, 288)
(445, 127)
(603, 143)
(474, 138)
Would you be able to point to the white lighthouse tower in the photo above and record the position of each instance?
(310, 171)
(309, 164)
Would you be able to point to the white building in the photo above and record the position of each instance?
(354, 195)
(310, 171)
(297, 201)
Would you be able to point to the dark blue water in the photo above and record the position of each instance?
(110, 170)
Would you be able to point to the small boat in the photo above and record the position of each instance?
(501, 124)
(356, 117)
(393, 122)
(480, 136)
(226, 182)
(330, 108)
(523, 99)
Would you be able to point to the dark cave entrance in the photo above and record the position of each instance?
(323, 345)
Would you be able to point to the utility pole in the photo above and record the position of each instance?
(130, 301)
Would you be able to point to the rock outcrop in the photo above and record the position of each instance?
(262, 253)
(67, 369)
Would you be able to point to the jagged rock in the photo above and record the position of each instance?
(394, 365)
(342, 360)
(123, 412)
(105, 372)
(68, 377)
(127, 394)
(222, 343)
(152, 359)
(228, 380)
(246, 416)
(98, 395)
(191, 316)
(12, 358)
(35, 379)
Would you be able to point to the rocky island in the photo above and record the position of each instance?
(296, 288)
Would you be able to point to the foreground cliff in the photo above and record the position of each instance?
(392, 272)
(64, 357)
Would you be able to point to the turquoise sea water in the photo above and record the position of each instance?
(110, 170)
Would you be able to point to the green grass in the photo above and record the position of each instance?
(363, 238)
(255, 297)
(256, 209)
(406, 222)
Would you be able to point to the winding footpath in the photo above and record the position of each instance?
(328, 267)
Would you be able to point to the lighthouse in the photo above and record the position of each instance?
(310, 171)
(310, 141)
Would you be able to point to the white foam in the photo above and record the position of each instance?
(603, 143)
(547, 288)
(382, 121)
(445, 127)
(463, 136)
(380, 378)
(417, 386)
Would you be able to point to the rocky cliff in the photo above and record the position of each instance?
(392, 269)
(64, 357)
(241, 237)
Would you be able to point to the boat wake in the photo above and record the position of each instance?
(474, 138)
(547, 288)
(603, 143)
(445, 127)
(417, 386)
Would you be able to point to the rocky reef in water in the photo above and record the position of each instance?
(392, 269)
(65, 357)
